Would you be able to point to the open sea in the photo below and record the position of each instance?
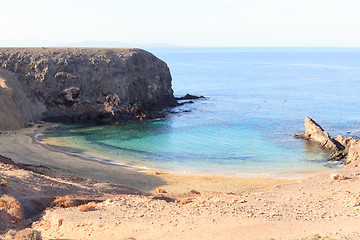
(256, 99)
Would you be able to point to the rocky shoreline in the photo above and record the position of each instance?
(81, 84)
(341, 148)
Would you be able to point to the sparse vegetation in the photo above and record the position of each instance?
(91, 206)
(11, 206)
(63, 201)
(160, 190)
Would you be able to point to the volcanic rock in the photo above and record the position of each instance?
(314, 133)
(189, 97)
(342, 147)
(81, 84)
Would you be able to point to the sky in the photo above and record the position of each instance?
(198, 23)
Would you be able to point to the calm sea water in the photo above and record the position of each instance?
(256, 99)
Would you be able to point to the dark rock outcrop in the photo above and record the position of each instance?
(189, 97)
(341, 147)
(81, 84)
(68, 96)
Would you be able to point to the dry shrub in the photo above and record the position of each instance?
(63, 201)
(193, 192)
(160, 190)
(91, 206)
(4, 184)
(12, 207)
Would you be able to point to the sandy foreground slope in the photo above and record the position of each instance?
(225, 207)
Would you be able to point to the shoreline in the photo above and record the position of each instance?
(223, 208)
(294, 175)
(22, 147)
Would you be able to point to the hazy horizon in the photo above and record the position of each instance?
(211, 23)
(118, 44)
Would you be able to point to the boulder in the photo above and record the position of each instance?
(314, 133)
(342, 147)
(68, 96)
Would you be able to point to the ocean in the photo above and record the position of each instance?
(255, 100)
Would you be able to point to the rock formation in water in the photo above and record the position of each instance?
(315, 133)
(342, 147)
(81, 84)
(189, 97)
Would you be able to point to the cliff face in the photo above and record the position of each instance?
(82, 84)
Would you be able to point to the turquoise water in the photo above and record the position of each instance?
(256, 99)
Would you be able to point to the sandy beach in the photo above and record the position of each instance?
(127, 207)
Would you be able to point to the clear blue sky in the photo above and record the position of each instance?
(185, 22)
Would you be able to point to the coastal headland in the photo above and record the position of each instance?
(81, 84)
(47, 194)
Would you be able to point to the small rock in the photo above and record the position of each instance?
(334, 176)
(60, 222)
(193, 192)
(342, 177)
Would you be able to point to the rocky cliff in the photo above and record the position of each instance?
(81, 84)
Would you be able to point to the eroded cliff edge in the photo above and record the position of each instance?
(81, 84)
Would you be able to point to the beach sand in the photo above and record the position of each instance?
(225, 208)
(20, 146)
